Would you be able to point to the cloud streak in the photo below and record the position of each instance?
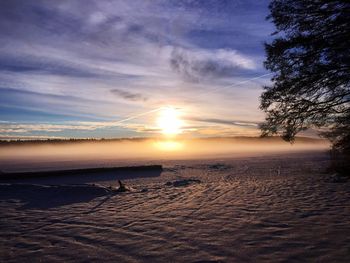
(198, 64)
(225, 122)
(129, 95)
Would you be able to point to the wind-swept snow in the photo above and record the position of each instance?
(263, 209)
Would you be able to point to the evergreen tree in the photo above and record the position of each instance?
(310, 59)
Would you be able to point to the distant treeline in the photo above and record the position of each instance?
(245, 139)
(62, 141)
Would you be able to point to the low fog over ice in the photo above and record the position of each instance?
(45, 155)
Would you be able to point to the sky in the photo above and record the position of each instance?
(106, 68)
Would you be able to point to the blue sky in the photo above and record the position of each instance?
(76, 68)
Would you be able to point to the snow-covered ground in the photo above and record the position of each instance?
(276, 208)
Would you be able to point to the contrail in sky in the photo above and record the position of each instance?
(137, 115)
(235, 84)
(214, 90)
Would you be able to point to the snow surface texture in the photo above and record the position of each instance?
(263, 209)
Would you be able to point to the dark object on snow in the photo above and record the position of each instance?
(185, 182)
(122, 187)
(337, 178)
(219, 166)
(143, 169)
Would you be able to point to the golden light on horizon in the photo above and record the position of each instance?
(169, 121)
(169, 145)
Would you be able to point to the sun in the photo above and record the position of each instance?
(169, 121)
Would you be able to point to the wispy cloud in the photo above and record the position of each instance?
(225, 122)
(199, 64)
(27, 128)
(129, 95)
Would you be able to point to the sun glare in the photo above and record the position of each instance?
(169, 121)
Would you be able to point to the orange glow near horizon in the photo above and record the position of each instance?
(169, 145)
(169, 121)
